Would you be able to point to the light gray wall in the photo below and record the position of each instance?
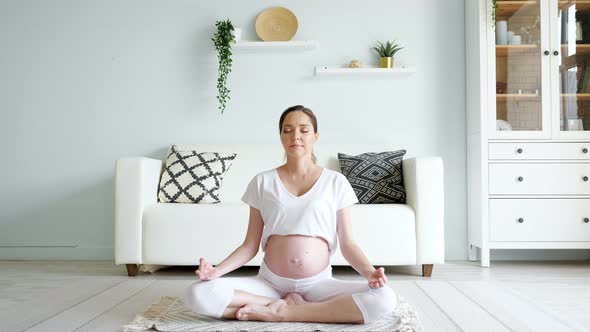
(84, 83)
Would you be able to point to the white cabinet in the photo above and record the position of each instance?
(528, 118)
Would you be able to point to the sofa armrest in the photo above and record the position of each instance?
(136, 186)
(424, 185)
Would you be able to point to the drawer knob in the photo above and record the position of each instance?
(584, 150)
(520, 179)
(521, 220)
(585, 178)
(586, 220)
(519, 150)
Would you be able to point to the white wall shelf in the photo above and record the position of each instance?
(278, 45)
(327, 70)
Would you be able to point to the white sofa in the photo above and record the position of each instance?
(148, 232)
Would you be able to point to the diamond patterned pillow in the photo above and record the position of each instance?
(193, 177)
(375, 177)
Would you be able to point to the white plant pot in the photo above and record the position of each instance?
(237, 34)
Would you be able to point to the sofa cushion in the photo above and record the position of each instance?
(375, 177)
(179, 234)
(193, 177)
(255, 158)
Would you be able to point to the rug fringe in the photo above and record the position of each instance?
(408, 320)
(151, 315)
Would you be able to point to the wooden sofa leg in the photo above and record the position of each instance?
(426, 270)
(132, 270)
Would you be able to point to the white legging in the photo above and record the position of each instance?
(212, 297)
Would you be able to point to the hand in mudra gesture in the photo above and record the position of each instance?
(377, 278)
(206, 271)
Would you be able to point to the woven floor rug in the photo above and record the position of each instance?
(170, 314)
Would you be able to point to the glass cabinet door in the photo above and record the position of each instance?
(571, 30)
(522, 70)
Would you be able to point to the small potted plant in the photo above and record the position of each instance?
(387, 51)
(222, 39)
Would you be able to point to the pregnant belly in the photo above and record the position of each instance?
(296, 256)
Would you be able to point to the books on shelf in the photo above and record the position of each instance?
(583, 78)
(571, 86)
(579, 76)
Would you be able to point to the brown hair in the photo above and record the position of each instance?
(309, 113)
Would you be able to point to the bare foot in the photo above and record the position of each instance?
(294, 298)
(266, 313)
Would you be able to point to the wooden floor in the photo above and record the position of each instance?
(460, 296)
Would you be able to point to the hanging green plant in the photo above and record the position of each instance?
(222, 40)
(494, 8)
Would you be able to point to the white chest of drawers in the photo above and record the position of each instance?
(537, 197)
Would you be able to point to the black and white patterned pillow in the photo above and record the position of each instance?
(193, 177)
(375, 177)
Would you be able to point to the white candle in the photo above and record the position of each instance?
(501, 32)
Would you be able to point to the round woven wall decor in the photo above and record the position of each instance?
(276, 24)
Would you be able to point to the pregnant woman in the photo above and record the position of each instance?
(300, 211)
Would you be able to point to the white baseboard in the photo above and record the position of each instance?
(57, 253)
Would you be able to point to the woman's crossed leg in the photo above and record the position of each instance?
(329, 300)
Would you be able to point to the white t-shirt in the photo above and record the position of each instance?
(311, 214)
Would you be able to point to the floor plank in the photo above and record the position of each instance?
(567, 302)
(466, 314)
(27, 300)
(76, 316)
(510, 308)
(124, 312)
(430, 314)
